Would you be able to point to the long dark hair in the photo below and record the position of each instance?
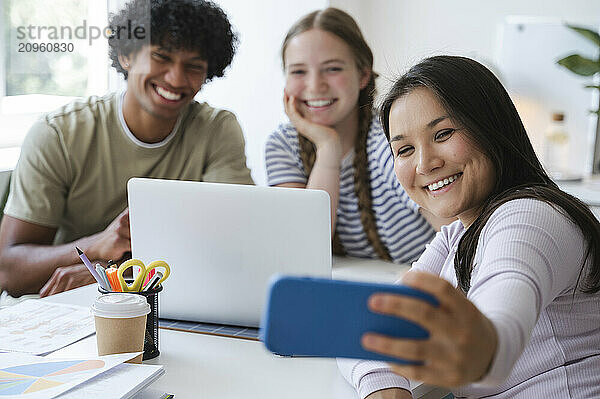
(342, 25)
(476, 99)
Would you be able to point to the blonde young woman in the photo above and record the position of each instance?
(335, 143)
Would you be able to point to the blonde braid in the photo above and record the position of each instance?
(308, 153)
(362, 178)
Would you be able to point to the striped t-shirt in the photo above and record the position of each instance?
(400, 226)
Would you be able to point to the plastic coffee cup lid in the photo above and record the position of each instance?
(116, 305)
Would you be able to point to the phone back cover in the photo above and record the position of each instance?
(326, 318)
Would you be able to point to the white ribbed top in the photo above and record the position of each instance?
(528, 259)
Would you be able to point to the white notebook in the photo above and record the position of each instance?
(122, 381)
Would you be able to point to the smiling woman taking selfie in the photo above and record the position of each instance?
(517, 276)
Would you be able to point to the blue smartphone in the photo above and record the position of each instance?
(327, 318)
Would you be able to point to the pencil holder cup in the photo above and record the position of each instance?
(151, 338)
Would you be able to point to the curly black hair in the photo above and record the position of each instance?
(191, 25)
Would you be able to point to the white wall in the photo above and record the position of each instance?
(253, 86)
(401, 32)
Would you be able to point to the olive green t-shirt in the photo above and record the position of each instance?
(75, 162)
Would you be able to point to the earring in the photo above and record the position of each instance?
(126, 65)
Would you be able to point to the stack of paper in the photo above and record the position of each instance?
(35, 327)
(31, 377)
(123, 381)
(39, 327)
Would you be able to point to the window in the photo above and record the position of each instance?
(49, 55)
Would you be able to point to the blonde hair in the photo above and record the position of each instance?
(342, 25)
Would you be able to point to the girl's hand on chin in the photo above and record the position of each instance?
(320, 135)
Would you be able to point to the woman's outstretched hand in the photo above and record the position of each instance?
(461, 343)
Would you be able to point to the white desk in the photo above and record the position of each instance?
(588, 191)
(206, 366)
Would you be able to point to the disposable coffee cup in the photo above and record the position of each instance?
(120, 323)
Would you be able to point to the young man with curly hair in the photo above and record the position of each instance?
(69, 187)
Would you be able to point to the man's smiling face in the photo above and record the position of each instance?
(164, 81)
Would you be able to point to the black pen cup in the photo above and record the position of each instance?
(151, 338)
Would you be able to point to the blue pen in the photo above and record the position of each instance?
(102, 273)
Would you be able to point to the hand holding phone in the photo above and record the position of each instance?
(327, 318)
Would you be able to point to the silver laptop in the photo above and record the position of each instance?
(223, 243)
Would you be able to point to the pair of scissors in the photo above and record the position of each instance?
(138, 282)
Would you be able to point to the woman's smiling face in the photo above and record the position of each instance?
(322, 74)
(434, 160)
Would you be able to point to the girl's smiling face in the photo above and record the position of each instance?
(434, 160)
(321, 73)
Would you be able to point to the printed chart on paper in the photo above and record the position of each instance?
(24, 376)
(39, 377)
(39, 327)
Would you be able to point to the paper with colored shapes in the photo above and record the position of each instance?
(39, 327)
(32, 377)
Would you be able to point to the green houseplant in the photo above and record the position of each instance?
(584, 66)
